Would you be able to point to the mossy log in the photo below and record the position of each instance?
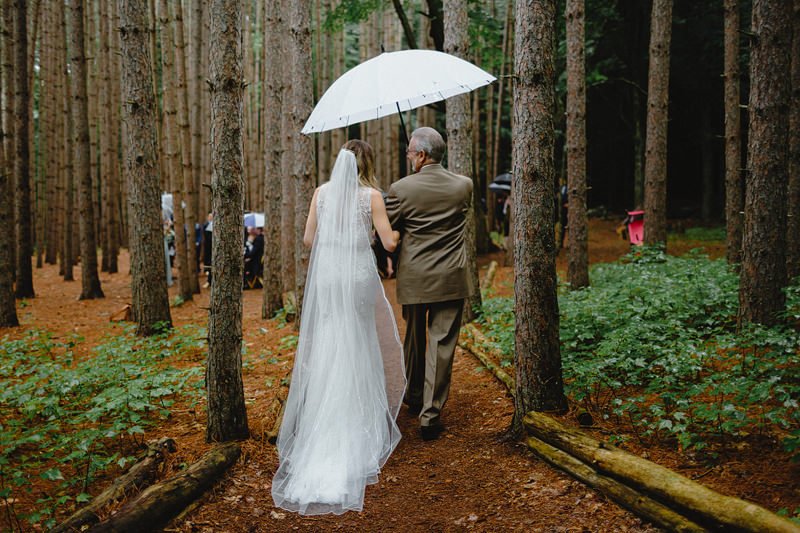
(138, 477)
(640, 505)
(157, 505)
(699, 503)
(474, 341)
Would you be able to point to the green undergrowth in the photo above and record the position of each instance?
(65, 421)
(652, 346)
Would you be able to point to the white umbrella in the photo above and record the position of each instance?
(254, 220)
(393, 82)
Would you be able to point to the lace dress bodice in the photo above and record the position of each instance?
(364, 207)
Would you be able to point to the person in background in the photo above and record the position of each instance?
(208, 227)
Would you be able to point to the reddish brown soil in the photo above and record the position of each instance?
(471, 478)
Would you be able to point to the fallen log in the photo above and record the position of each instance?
(158, 504)
(691, 499)
(139, 476)
(474, 342)
(625, 496)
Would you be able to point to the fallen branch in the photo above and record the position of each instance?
(160, 503)
(705, 506)
(139, 476)
(486, 282)
(474, 342)
(640, 505)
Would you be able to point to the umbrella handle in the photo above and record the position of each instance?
(402, 123)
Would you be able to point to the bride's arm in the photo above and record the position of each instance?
(311, 221)
(380, 220)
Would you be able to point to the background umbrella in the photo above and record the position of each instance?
(393, 82)
(501, 183)
(254, 220)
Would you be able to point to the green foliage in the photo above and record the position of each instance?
(700, 233)
(350, 11)
(66, 421)
(653, 343)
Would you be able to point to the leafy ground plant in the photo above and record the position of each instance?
(653, 344)
(65, 421)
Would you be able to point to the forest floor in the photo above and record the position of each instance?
(470, 478)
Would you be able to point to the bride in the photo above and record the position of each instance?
(348, 380)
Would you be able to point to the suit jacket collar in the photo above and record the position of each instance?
(432, 167)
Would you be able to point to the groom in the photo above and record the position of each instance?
(429, 208)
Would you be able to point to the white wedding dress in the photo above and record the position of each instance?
(348, 380)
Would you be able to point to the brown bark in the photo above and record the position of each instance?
(507, 45)
(198, 124)
(189, 191)
(459, 136)
(139, 476)
(118, 192)
(273, 86)
(578, 247)
(708, 508)
(227, 417)
(91, 57)
(8, 310)
(157, 505)
(66, 152)
(50, 123)
(287, 184)
(108, 148)
(303, 172)
(763, 270)
(655, 164)
(537, 358)
(22, 100)
(90, 280)
(793, 189)
(171, 148)
(149, 283)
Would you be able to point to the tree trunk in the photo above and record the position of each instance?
(9, 143)
(8, 310)
(287, 184)
(537, 358)
(50, 123)
(67, 155)
(734, 185)
(198, 124)
(793, 189)
(578, 247)
(273, 284)
(459, 137)
(655, 164)
(227, 417)
(171, 147)
(303, 172)
(189, 191)
(118, 193)
(108, 149)
(90, 281)
(763, 272)
(149, 282)
(24, 287)
(501, 90)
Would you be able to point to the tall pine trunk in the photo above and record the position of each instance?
(763, 271)
(227, 417)
(22, 100)
(655, 164)
(734, 186)
(578, 247)
(537, 356)
(171, 148)
(459, 137)
(303, 172)
(793, 189)
(8, 309)
(149, 280)
(90, 280)
(273, 284)
(9, 144)
(187, 177)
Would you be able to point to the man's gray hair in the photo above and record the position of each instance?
(430, 141)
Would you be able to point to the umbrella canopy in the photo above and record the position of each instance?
(254, 220)
(499, 187)
(166, 206)
(393, 82)
(504, 178)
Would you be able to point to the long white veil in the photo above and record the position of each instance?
(348, 380)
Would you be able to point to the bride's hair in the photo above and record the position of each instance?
(365, 160)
